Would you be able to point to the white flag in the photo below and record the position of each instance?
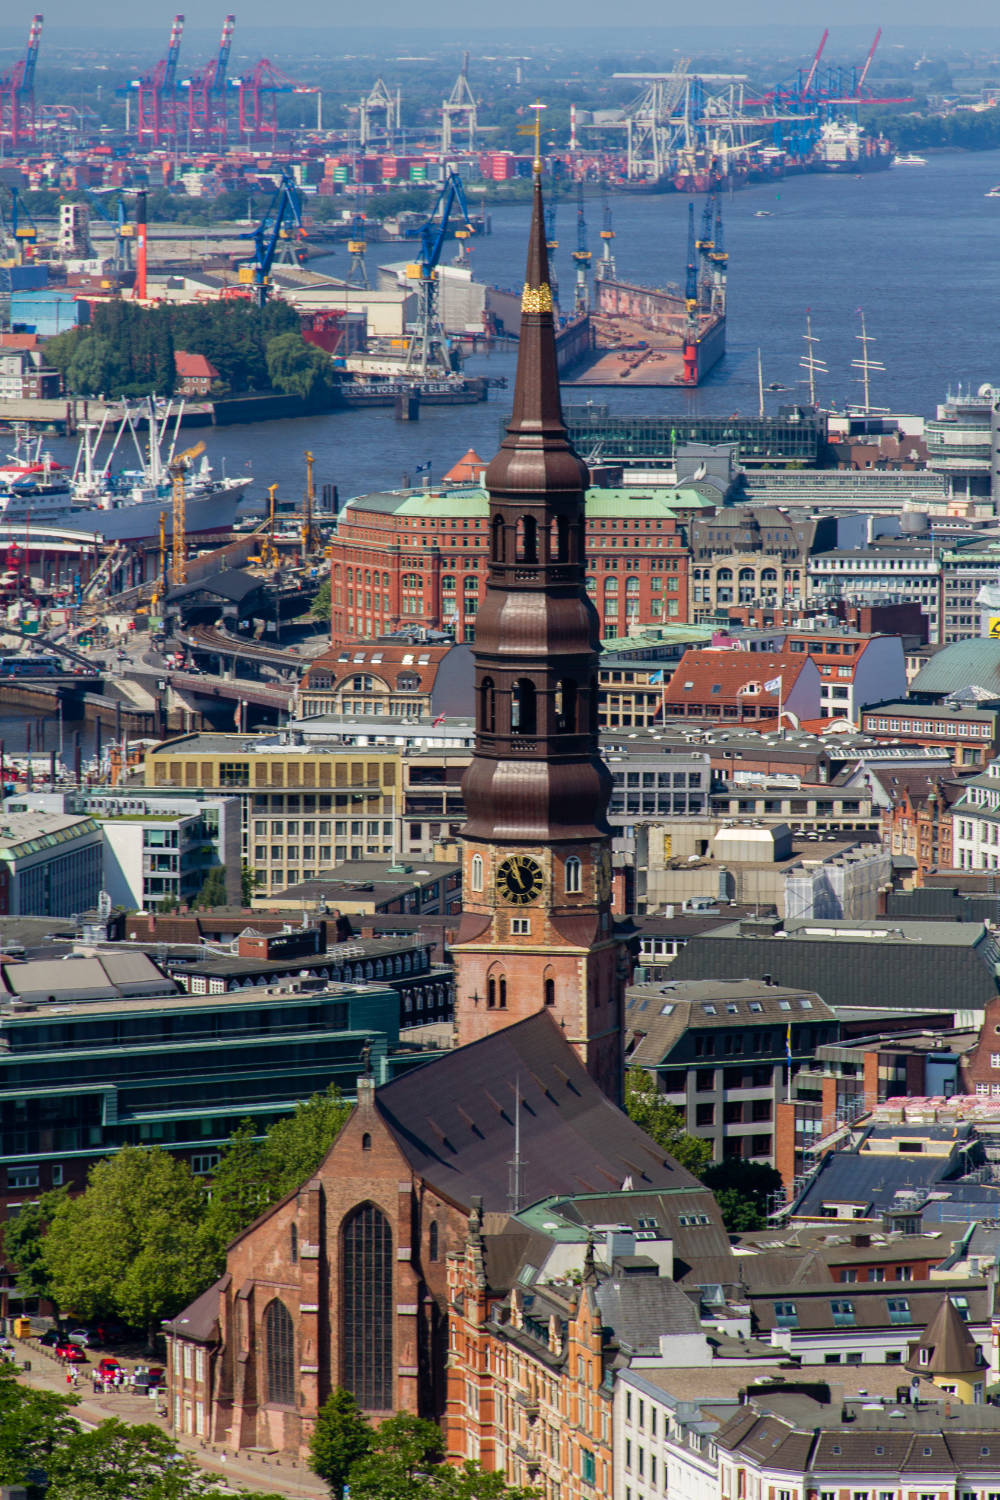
(774, 686)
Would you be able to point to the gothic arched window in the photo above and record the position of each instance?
(279, 1354)
(550, 991)
(487, 706)
(574, 876)
(366, 1299)
(491, 993)
(523, 710)
(432, 1240)
(477, 872)
(293, 1244)
(503, 992)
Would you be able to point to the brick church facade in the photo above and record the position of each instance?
(344, 1282)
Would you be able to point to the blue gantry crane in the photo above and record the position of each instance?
(427, 352)
(274, 239)
(124, 231)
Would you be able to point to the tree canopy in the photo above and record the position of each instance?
(128, 350)
(663, 1123)
(113, 1461)
(147, 1235)
(400, 1460)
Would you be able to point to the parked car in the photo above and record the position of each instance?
(81, 1336)
(110, 1366)
(50, 1338)
(71, 1353)
(155, 1376)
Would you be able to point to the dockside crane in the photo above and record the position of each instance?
(17, 93)
(258, 95)
(459, 109)
(19, 227)
(719, 257)
(427, 352)
(156, 95)
(206, 93)
(277, 230)
(581, 259)
(378, 101)
(605, 268)
(704, 245)
(552, 245)
(178, 475)
(357, 272)
(690, 366)
(124, 231)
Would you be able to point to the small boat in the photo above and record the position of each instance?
(762, 213)
(994, 192)
(908, 159)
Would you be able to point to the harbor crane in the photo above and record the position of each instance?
(605, 268)
(690, 375)
(357, 272)
(459, 109)
(273, 238)
(581, 258)
(206, 93)
(426, 352)
(156, 116)
(258, 96)
(123, 230)
(552, 245)
(178, 475)
(17, 93)
(378, 101)
(19, 228)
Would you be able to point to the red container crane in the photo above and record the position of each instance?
(17, 93)
(206, 93)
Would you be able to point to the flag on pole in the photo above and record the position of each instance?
(655, 677)
(774, 686)
(439, 720)
(423, 468)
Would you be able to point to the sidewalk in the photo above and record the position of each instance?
(266, 1473)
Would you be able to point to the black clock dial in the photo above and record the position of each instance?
(519, 879)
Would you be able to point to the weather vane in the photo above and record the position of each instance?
(538, 106)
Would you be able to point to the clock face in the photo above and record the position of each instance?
(519, 879)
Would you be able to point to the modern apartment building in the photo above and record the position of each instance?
(50, 864)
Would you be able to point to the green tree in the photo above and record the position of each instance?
(341, 1437)
(294, 1147)
(250, 881)
(742, 1190)
(297, 368)
(118, 1461)
(320, 607)
(252, 1174)
(663, 1123)
(23, 1242)
(32, 1424)
(397, 1465)
(129, 1245)
(213, 890)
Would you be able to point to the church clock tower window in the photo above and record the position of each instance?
(536, 930)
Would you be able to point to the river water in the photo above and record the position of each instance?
(916, 247)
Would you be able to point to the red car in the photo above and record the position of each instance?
(71, 1353)
(109, 1366)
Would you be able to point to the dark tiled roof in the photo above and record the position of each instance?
(911, 975)
(199, 1322)
(949, 1346)
(454, 1120)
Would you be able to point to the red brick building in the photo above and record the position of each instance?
(919, 821)
(737, 687)
(344, 1282)
(420, 557)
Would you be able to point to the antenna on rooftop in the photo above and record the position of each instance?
(516, 1165)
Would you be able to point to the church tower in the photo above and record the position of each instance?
(537, 931)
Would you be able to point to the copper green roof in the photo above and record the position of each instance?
(472, 501)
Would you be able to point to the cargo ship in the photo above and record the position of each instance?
(659, 336)
(845, 146)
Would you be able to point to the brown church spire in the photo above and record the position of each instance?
(536, 929)
(536, 454)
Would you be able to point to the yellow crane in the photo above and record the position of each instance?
(178, 470)
(269, 551)
(161, 572)
(310, 539)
